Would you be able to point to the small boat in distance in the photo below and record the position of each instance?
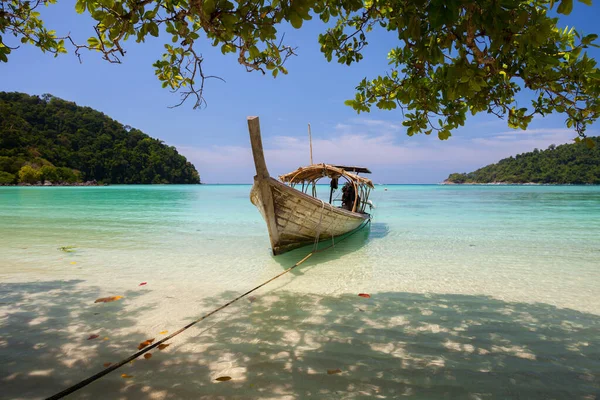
(294, 218)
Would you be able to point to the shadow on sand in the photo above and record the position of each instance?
(281, 345)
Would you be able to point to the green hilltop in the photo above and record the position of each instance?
(47, 139)
(574, 163)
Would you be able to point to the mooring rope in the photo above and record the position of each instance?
(113, 367)
(318, 227)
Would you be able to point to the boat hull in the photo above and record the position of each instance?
(294, 219)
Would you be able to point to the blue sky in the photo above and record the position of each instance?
(216, 140)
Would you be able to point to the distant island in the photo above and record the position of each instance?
(565, 164)
(50, 141)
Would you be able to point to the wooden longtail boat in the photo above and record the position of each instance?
(294, 218)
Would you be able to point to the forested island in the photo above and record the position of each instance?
(47, 140)
(565, 164)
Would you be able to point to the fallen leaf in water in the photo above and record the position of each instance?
(143, 283)
(365, 295)
(125, 376)
(164, 332)
(148, 356)
(107, 365)
(334, 371)
(106, 338)
(108, 299)
(252, 299)
(163, 346)
(93, 337)
(223, 378)
(145, 343)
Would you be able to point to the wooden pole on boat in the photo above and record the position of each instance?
(310, 141)
(355, 196)
(262, 181)
(257, 148)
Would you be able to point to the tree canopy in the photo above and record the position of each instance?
(451, 58)
(565, 164)
(49, 139)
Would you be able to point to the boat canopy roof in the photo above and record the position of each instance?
(314, 172)
(354, 169)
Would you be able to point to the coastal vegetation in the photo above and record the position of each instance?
(565, 164)
(448, 58)
(49, 140)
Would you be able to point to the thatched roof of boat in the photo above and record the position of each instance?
(354, 169)
(315, 172)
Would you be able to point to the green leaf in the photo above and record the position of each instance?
(80, 6)
(546, 59)
(153, 29)
(414, 28)
(444, 134)
(228, 20)
(93, 42)
(208, 6)
(228, 48)
(295, 20)
(108, 20)
(254, 53)
(589, 38)
(565, 7)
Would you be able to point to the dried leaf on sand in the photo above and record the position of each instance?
(145, 343)
(108, 299)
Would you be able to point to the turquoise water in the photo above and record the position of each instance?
(476, 292)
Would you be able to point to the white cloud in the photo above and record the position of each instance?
(378, 123)
(380, 145)
(540, 131)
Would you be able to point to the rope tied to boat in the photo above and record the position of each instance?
(318, 227)
(113, 367)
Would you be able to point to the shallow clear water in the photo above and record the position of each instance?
(477, 291)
